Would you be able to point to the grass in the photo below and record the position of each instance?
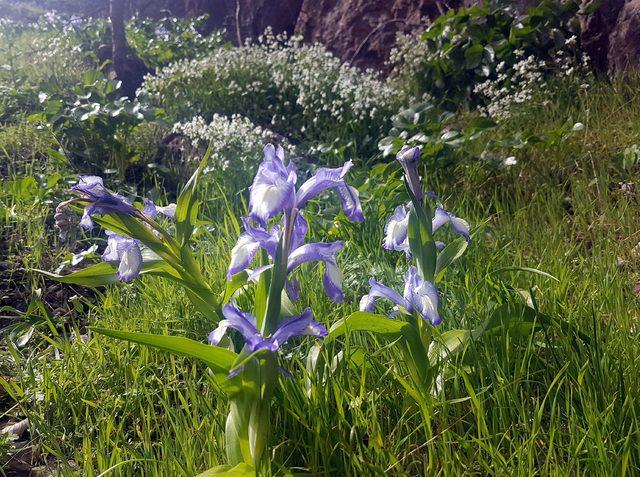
(546, 403)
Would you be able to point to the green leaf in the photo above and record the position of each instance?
(240, 470)
(452, 252)
(473, 56)
(422, 246)
(104, 273)
(237, 281)
(521, 320)
(128, 226)
(97, 275)
(220, 360)
(187, 205)
(371, 322)
(447, 344)
(527, 270)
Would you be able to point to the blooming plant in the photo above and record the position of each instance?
(247, 363)
(416, 312)
(138, 242)
(297, 90)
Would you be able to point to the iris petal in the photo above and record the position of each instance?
(442, 217)
(313, 252)
(243, 322)
(396, 230)
(378, 290)
(422, 295)
(300, 325)
(130, 263)
(273, 188)
(409, 159)
(332, 281)
(350, 198)
(242, 254)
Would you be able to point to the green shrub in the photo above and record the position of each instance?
(464, 48)
(299, 91)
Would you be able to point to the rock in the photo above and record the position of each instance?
(596, 28)
(363, 31)
(624, 40)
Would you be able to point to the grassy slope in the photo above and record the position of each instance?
(542, 404)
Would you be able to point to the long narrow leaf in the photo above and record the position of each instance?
(362, 321)
(220, 360)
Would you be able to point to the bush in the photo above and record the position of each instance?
(474, 45)
(300, 91)
(236, 145)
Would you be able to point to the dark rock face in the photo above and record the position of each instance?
(246, 19)
(596, 29)
(363, 31)
(624, 40)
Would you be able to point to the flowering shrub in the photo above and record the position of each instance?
(522, 82)
(235, 142)
(160, 42)
(470, 46)
(300, 91)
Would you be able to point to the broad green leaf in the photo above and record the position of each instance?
(362, 321)
(220, 360)
(521, 319)
(104, 273)
(97, 275)
(452, 252)
(447, 344)
(128, 226)
(422, 246)
(240, 470)
(187, 205)
(512, 317)
(237, 281)
(473, 56)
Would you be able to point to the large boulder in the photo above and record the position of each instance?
(363, 31)
(624, 40)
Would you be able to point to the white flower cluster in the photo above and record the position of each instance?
(41, 52)
(515, 85)
(235, 141)
(519, 83)
(277, 81)
(408, 54)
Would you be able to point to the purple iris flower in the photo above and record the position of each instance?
(409, 159)
(245, 324)
(152, 210)
(101, 201)
(321, 252)
(255, 238)
(443, 217)
(127, 252)
(396, 230)
(420, 296)
(274, 188)
(396, 236)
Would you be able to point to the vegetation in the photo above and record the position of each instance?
(549, 186)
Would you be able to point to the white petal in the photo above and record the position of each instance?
(130, 264)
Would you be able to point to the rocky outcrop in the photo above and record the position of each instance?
(597, 25)
(624, 40)
(363, 31)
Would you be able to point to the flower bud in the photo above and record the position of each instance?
(409, 159)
